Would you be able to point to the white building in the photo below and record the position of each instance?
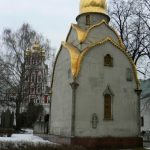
(95, 90)
(145, 109)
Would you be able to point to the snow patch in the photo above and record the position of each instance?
(22, 140)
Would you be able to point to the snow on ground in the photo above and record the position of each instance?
(22, 140)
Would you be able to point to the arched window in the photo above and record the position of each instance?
(33, 78)
(87, 19)
(32, 89)
(27, 77)
(107, 107)
(26, 89)
(108, 96)
(129, 76)
(39, 78)
(108, 60)
(39, 89)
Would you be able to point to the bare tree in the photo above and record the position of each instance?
(128, 17)
(15, 45)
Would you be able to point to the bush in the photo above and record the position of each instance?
(28, 118)
(7, 132)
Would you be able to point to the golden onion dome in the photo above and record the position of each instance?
(36, 46)
(97, 6)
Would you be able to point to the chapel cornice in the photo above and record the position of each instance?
(77, 56)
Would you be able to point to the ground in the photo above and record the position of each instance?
(27, 139)
(22, 140)
(147, 145)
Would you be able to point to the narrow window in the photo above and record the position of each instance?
(88, 20)
(108, 60)
(45, 99)
(38, 60)
(129, 76)
(39, 78)
(142, 121)
(26, 89)
(32, 89)
(32, 61)
(33, 78)
(107, 107)
(39, 89)
(27, 77)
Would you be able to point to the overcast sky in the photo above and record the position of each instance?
(52, 18)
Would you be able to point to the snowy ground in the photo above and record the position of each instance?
(147, 145)
(22, 140)
(28, 139)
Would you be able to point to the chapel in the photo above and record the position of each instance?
(95, 89)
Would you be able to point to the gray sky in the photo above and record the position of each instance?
(52, 18)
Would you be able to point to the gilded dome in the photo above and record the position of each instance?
(36, 48)
(98, 6)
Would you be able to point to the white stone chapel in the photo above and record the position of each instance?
(95, 89)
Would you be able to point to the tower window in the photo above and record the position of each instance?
(27, 78)
(32, 89)
(26, 89)
(33, 78)
(108, 60)
(39, 78)
(107, 107)
(39, 89)
(88, 20)
(45, 99)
